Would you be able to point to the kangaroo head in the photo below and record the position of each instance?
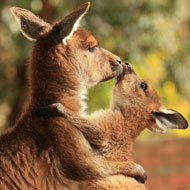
(132, 92)
(77, 51)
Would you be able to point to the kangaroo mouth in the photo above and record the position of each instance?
(127, 69)
(119, 76)
(107, 78)
(117, 73)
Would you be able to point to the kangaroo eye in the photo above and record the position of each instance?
(143, 86)
(92, 49)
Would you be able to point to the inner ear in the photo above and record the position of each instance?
(157, 129)
(31, 25)
(170, 119)
(69, 24)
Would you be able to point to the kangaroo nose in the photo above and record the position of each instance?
(118, 60)
(128, 64)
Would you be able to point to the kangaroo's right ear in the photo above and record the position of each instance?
(31, 26)
(69, 24)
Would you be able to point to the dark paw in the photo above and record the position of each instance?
(51, 110)
(141, 179)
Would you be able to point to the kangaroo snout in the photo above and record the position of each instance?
(118, 60)
(126, 69)
(114, 62)
(116, 67)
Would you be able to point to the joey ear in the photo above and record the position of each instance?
(168, 119)
(31, 26)
(69, 24)
(157, 129)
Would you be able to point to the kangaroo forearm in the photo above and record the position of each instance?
(104, 168)
(93, 131)
(118, 182)
(127, 168)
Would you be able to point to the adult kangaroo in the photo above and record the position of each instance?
(36, 154)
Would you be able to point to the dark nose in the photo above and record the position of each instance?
(128, 64)
(118, 60)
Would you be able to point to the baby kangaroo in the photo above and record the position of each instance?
(111, 133)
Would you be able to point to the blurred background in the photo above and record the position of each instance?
(152, 35)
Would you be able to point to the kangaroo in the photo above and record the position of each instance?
(135, 106)
(37, 154)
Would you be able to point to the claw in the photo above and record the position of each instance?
(141, 179)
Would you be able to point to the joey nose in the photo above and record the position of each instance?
(116, 67)
(128, 64)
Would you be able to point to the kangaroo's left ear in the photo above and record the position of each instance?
(168, 119)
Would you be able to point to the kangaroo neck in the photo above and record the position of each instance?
(50, 83)
(71, 98)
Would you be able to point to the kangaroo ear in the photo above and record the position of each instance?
(157, 129)
(69, 24)
(31, 26)
(168, 119)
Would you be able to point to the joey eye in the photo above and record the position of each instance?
(92, 49)
(143, 86)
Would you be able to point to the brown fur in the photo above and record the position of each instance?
(38, 154)
(118, 182)
(112, 133)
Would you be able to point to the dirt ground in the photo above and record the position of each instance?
(167, 163)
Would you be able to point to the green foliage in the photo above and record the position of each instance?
(100, 96)
(153, 35)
